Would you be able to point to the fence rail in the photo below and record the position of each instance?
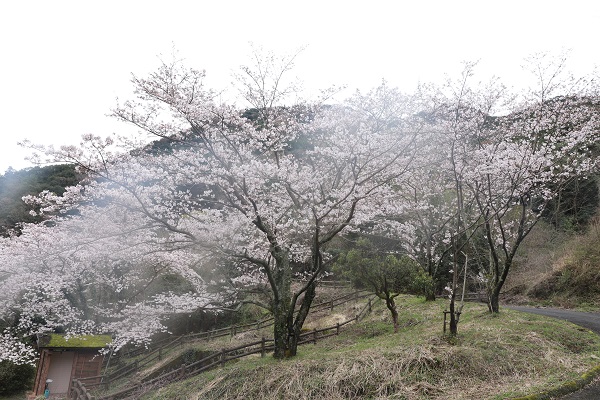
(221, 357)
(162, 347)
(79, 391)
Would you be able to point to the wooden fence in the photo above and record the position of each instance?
(162, 347)
(219, 358)
(79, 391)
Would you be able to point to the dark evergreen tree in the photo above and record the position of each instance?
(30, 181)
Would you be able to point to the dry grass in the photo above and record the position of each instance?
(536, 258)
(572, 279)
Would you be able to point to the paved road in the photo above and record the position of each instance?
(585, 319)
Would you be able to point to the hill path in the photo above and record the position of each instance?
(587, 320)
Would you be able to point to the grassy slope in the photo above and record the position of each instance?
(494, 357)
(557, 269)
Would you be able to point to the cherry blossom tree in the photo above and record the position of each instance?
(494, 161)
(459, 113)
(543, 147)
(432, 215)
(421, 215)
(93, 272)
(259, 193)
(510, 156)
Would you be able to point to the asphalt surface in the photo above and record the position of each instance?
(587, 320)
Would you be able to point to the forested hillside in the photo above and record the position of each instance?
(30, 181)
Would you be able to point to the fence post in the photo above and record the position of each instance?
(315, 336)
(222, 357)
(262, 347)
(331, 309)
(182, 373)
(444, 331)
(370, 305)
(337, 328)
(75, 388)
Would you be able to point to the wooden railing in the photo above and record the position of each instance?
(79, 391)
(219, 358)
(162, 347)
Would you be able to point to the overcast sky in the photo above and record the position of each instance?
(63, 63)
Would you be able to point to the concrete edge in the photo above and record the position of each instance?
(566, 387)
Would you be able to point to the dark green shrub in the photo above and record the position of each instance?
(15, 378)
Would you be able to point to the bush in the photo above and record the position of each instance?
(422, 283)
(15, 378)
(375, 270)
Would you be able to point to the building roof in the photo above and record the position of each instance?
(56, 340)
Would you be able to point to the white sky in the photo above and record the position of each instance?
(63, 63)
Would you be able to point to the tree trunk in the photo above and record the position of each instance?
(288, 324)
(494, 291)
(430, 294)
(280, 328)
(453, 320)
(395, 319)
(494, 301)
(295, 325)
(391, 305)
(281, 303)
